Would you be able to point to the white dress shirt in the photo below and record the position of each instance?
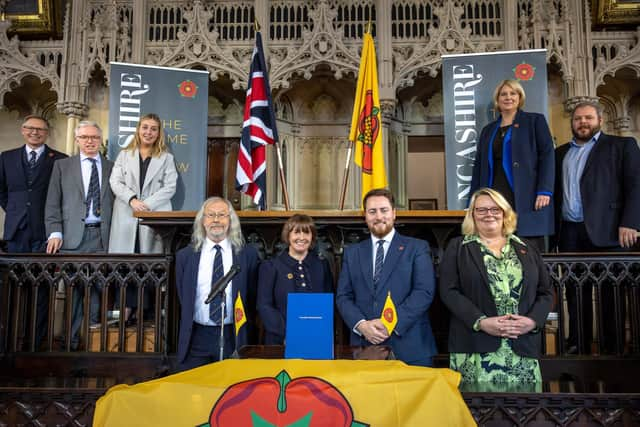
(85, 167)
(38, 151)
(374, 246)
(205, 271)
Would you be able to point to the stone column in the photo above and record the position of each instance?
(622, 125)
(138, 31)
(384, 53)
(509, 22)
(579, 51)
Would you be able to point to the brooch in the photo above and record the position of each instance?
(289, 276)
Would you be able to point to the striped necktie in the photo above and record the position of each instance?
(93, 192)
(217, 273)
(377, 272)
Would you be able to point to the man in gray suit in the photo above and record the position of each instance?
(78, 210)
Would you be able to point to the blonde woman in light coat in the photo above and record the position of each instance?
(146, 155)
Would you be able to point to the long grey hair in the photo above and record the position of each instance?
(200, 233)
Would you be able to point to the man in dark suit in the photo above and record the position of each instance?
(597, 209)
(388, 263)
(24, 179)
(78, 210)
(216, 245)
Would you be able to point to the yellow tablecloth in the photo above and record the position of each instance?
(255, 392)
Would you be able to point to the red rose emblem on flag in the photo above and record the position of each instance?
(524, 71)
(239, 314)
(187, 89)
(282, 401)
(388, 314)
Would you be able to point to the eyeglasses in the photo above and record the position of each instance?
(34, 129)
(216, 215)
(484, 211)
(89, 137)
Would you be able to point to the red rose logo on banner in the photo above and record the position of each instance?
(524, 71)
(188, 89)
(388, 314)
(281, 401)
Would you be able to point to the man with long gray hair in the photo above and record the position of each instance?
(217, 247)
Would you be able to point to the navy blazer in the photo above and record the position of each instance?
(187, 262)
(609, 187)
(531, 169)
(282, 275)
(464, 289)
(23, 203)
(408, 274)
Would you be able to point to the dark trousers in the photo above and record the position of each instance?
(24, 242)
(91, 243)
(574, 238)
(538, 242)
(204, 347)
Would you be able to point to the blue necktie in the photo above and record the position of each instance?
(379, 261)
(218, 272)
(93, 192)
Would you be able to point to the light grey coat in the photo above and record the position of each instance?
(159, 187)
(66, 205)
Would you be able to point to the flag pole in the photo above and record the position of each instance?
(345, 176)
(285, 192)
(283, 182)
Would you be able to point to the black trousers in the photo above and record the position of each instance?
(204, 347)
(574, 238)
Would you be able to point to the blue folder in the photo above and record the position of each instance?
(309, 333)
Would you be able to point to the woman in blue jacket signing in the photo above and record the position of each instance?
(515, 156)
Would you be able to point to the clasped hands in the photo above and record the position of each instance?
(138, 205)
(507, 326)
(373, 330)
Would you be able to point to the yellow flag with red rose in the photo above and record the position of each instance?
(366, 124)
(272, 392)
(239, 315)
(389, 316)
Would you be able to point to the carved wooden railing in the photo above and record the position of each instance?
(37, 293)
(33, 280)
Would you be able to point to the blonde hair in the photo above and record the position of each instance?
(509, 221)
(513, 84)
(159, 146)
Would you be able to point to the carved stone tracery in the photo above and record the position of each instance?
(15, 65)
(198, 46)
(445, 38)
(322, 44)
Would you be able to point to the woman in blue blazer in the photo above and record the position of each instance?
(294, 270)
(515, 156)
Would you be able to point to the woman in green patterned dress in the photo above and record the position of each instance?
(497, 289)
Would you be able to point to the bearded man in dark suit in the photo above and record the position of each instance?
(597, 195)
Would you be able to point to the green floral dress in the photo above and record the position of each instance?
(502, 367)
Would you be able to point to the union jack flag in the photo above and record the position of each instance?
(258, 130)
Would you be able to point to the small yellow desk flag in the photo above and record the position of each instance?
(389, 315)
(239, 316)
